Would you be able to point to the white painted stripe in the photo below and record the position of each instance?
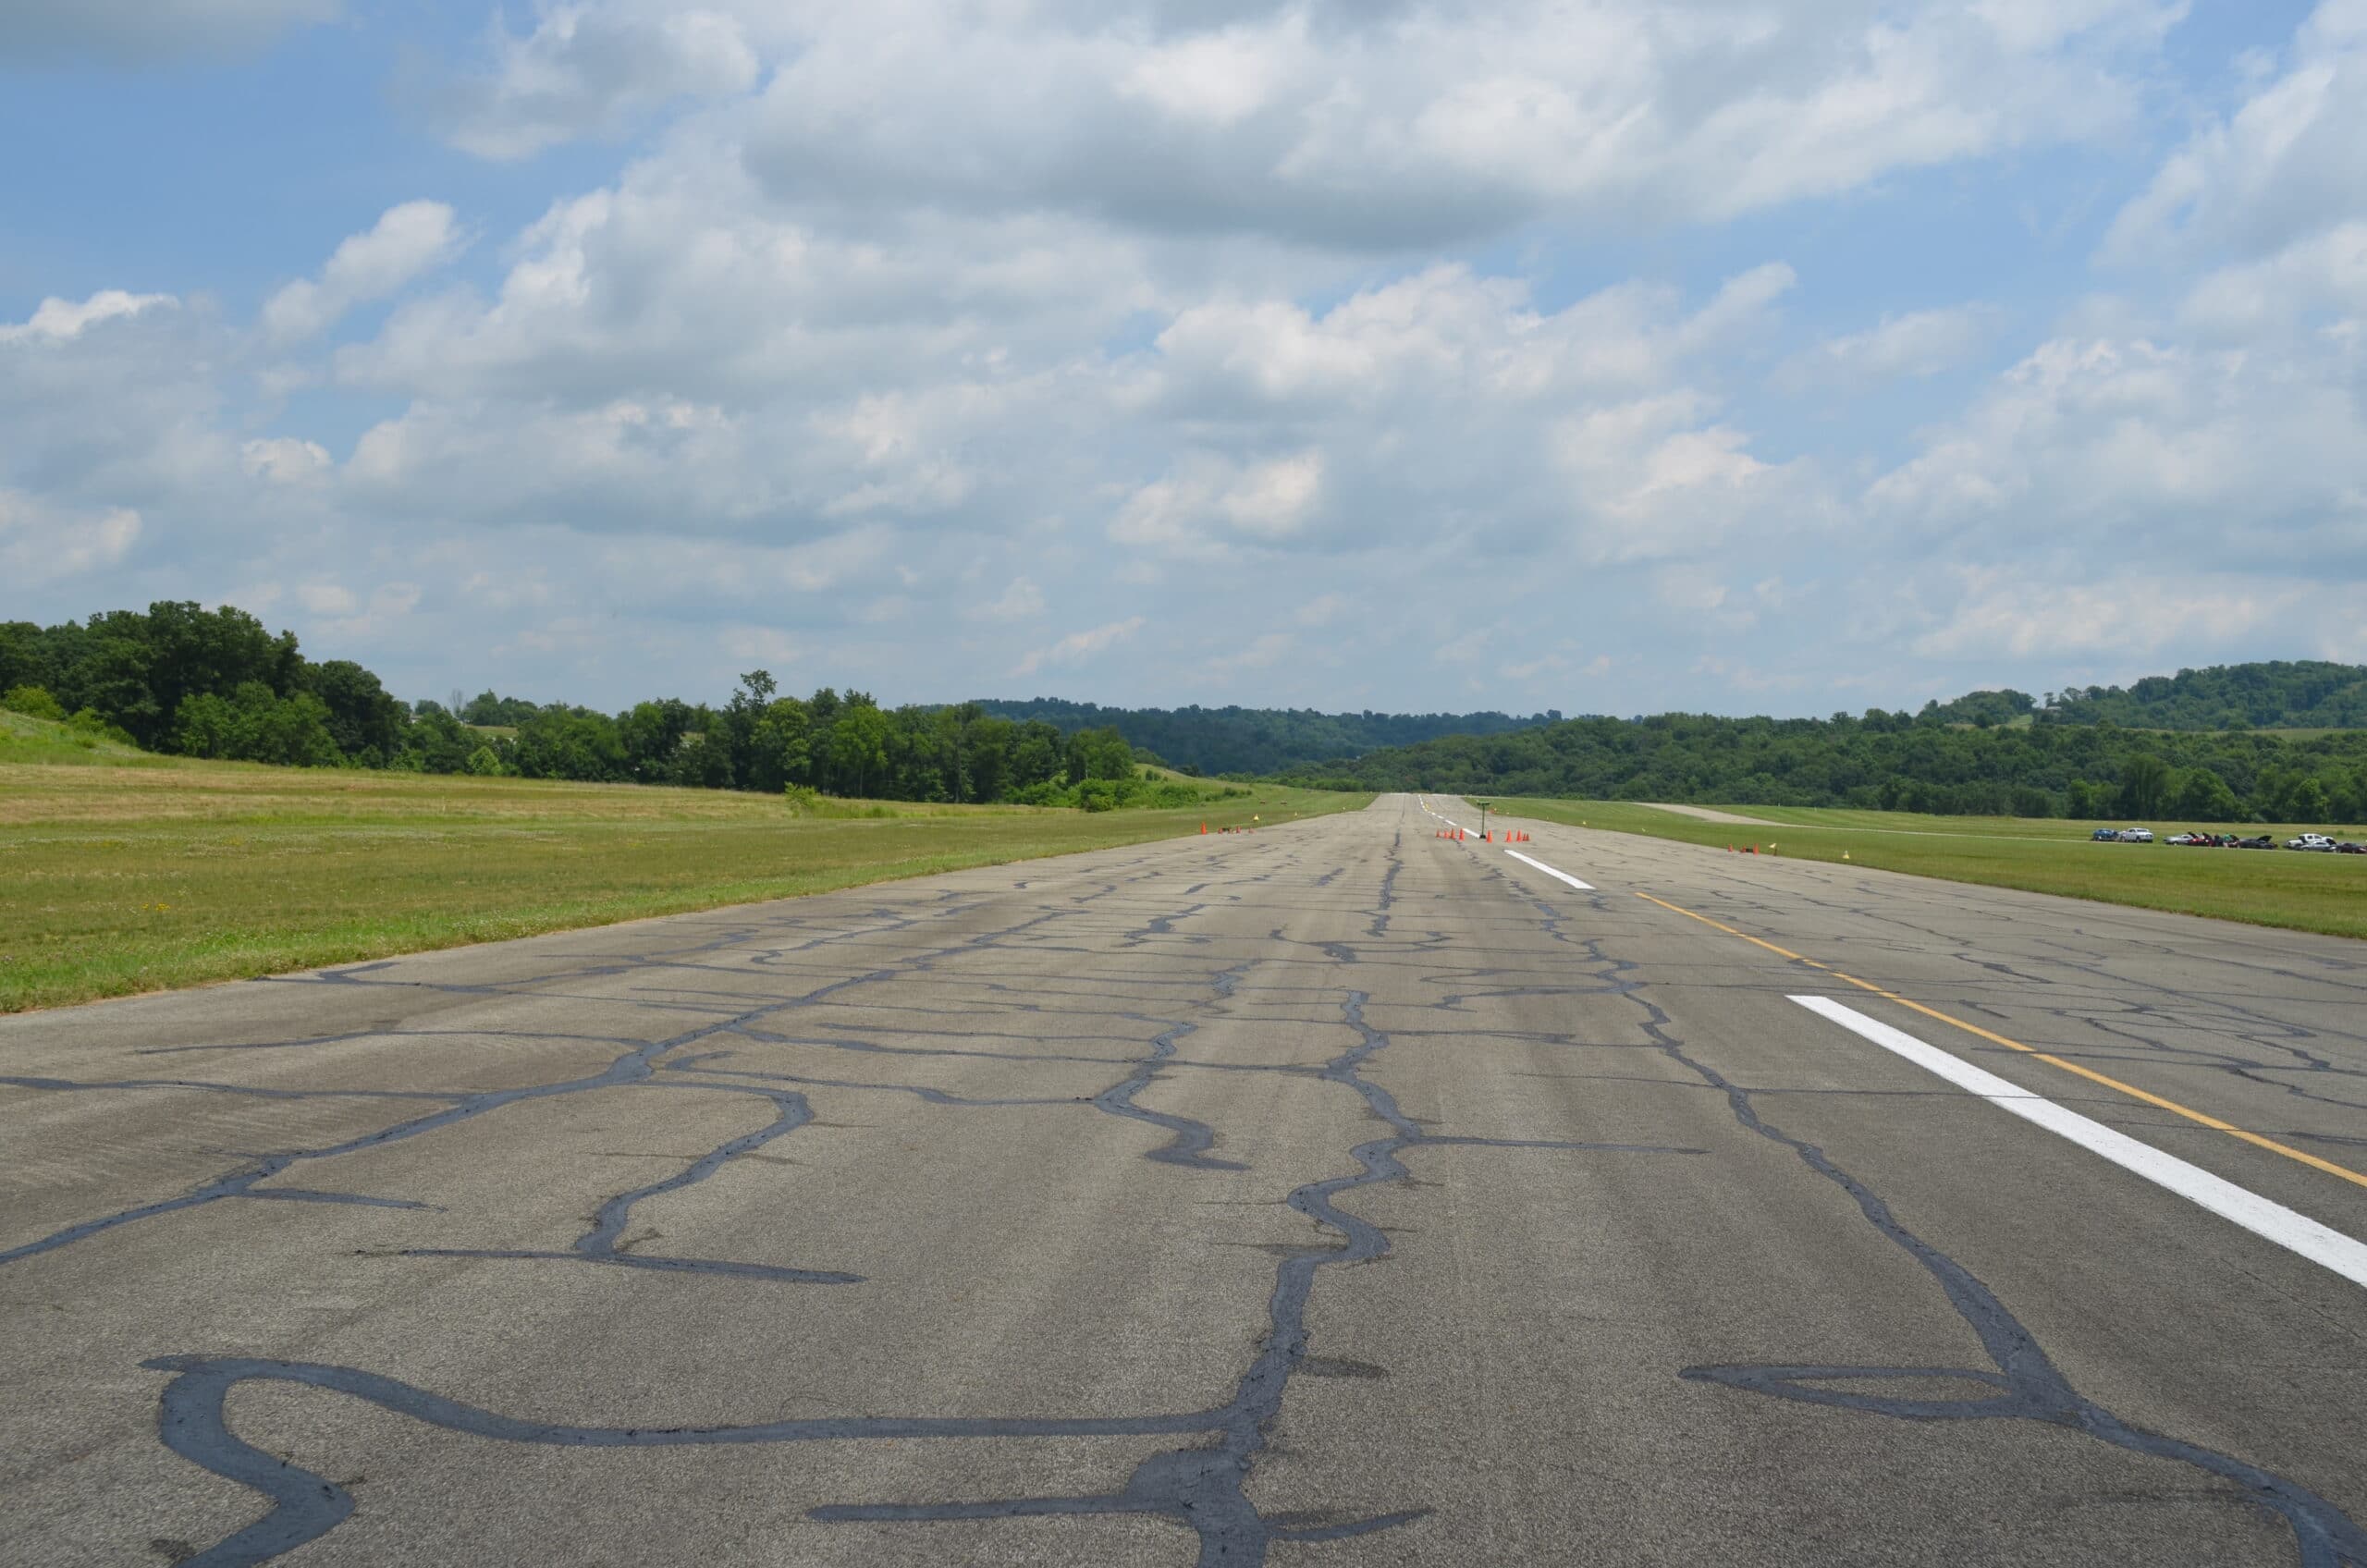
(2295, 1232)
(1443, 818)
(1581, 886)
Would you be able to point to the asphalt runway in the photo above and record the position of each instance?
(1338, 1194)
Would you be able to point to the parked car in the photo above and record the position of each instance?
(2316, 843)
(2136, 835)
(2105, 836)
(2348, 848)
(2263, 843)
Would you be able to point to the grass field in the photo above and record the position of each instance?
(2302, 892)
(38, 740)
(139, 873)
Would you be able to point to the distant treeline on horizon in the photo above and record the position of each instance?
(181, 679)
(1892, 762)
(1258, 741)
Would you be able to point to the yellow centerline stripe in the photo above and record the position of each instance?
(2089, 1074)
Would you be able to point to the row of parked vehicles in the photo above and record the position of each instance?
(2318, 844)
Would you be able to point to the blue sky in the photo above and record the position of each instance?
(1741, 355)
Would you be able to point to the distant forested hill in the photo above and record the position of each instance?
(2281, 694)
(1238, 739)
(180, 679)
(1892, 761)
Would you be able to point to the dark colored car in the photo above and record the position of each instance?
(2105, 836)
(2263, 843)
(2348, 848)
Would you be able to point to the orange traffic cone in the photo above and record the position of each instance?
(1204, 827)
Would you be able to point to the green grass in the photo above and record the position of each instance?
(2326, 893)
(24, 738)
(130, 874)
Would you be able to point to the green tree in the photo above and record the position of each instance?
(780, 749)
(567, 743)
(365, 722)
(2030, 800)
(2144, 785)
(437, 742)
(22, 662)
(651, 734)
(1098, 753)
(2203, 796)
(35, 703)
(858, 746)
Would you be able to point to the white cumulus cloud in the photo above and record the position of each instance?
(406, 241)
(1079, 647)
(39, 542)
(591, 70)
(54, 319)
(285, 460)
(1916, 344)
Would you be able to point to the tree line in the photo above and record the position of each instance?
(2270, 694)
(2282, 695)
(182, 679)
(1257, 741)
(1891, 762)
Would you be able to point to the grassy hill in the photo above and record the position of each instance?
(24, 738)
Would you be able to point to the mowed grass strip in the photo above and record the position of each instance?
(114, 880)
(2301, 892)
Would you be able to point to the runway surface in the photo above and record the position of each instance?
(1339, 1194)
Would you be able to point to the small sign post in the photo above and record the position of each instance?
(1483, 806)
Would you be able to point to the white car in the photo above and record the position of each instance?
(2317, 842)
(2136, 835)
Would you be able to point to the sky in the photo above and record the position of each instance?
(1612, 356)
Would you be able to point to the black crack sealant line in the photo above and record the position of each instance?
(1388, 898)
(703, 1065)
(1201, 1486)
(634, 1066)
(2022, 1384)
(1192, 1140)
(2025, 1384)
(602, 1243)
(628, 1068)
